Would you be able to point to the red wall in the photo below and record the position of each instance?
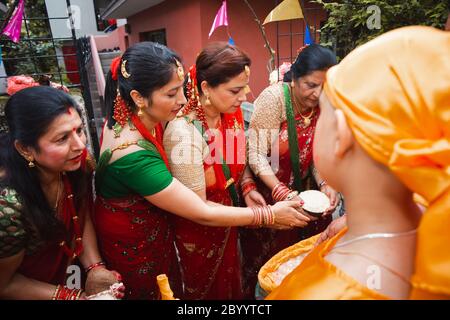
(188, 23)
(180, 18)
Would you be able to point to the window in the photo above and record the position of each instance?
(155, 36)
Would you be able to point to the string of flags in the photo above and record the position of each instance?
(14, 26)
(286, 10)
(221, 19)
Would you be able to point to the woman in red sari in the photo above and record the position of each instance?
(217, 85)
(45, 200)
(282, 130)
(136, 192)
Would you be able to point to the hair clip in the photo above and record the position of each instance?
(123, 70)
(247, 71)
(180, 70)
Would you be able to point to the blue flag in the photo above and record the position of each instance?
(308, 40)
(231, 41)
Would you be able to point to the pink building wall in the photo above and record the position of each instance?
(187, 24)
(112, 40)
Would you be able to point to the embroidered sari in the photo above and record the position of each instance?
(259, 245)
(45, 261)
(135, 237)
(209, 256)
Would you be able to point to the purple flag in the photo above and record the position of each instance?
(221, 18)
(14, 26)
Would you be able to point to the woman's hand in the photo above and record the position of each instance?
(254, 198)
(333, 195)
(100, 279)
(311, 218)
(287, 215)
(333, 228)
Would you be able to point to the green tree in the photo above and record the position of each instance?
(351, 22)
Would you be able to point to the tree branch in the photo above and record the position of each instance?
(271, 63)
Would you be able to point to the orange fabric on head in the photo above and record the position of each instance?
(395, 93)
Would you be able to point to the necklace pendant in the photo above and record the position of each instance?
(236, 125)
(307, 122)
(117, 128)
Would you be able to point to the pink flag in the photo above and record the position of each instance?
(14, 26)
(221, 18)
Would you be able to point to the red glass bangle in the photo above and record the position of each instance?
(95, 265)
(247, 188)
(64, 293)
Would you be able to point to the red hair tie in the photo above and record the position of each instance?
(115, 67)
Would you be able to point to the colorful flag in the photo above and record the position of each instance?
(231, 41)
(307, 38)
(221, 18)
(14, 26)
(286, 10)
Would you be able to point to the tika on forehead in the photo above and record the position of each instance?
(180, 70)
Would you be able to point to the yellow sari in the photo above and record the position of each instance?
(395, 94)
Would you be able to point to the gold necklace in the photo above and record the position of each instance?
(307, 119)
(58, 193)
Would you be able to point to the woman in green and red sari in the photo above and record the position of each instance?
(46, 201)
(282, 130)
(136, 192)
(216, 87)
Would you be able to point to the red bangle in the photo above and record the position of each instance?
(247, 188)
(95, 265)
(64, 293)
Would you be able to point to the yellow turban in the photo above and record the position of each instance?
(395, 93)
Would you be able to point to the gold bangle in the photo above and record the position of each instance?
(58, 287)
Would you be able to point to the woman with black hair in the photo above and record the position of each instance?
(135, 190)
(290, 110)
(46, 200)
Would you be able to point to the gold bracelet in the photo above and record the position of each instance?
(58, 287)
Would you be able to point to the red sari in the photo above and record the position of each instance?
(209, 257)
(49, 263)
(136, 239)
(259, 245)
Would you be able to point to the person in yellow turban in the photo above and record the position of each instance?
(383, 136)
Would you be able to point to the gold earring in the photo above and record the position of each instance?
(31, 163)
(140, 112)
(207, 101)
(247, 71)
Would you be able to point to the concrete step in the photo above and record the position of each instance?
(109, 55)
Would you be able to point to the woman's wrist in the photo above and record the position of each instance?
(247, 188)
(263, 216)
(95, 265)
(64, 293)
(281, 192)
